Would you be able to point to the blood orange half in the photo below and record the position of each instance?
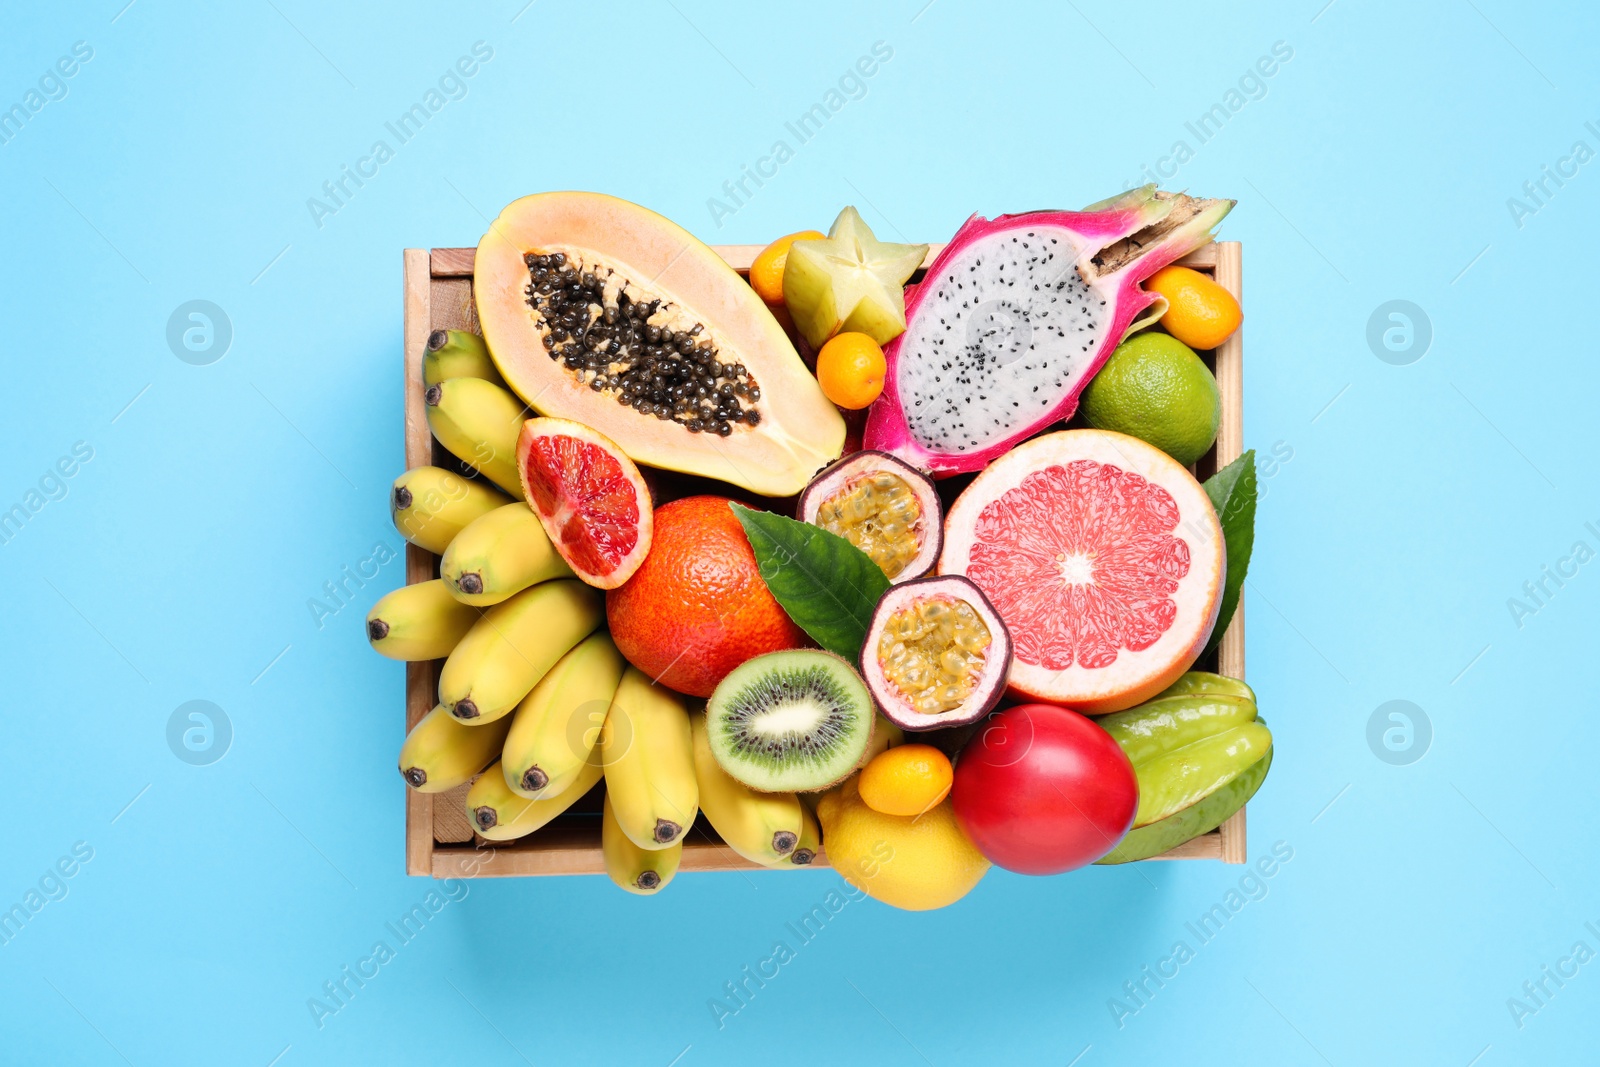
(1103, 556)
(590, 498)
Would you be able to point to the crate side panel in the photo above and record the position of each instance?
(419, 563)
(1230, 444)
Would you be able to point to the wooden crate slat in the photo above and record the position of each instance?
(453, 308)
(1229, 273)
(420, 677)
(452, 262)
(450, 822)
(439, 839)
(450, 307)
(571, 850)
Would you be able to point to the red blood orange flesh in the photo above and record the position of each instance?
(1103, 556)
(590, 498)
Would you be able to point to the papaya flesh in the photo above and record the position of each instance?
(568, 284)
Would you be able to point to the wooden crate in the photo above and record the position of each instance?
(439, 838)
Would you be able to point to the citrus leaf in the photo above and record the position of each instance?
(828, 586)
(1233, 494)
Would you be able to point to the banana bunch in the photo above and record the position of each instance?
(458, 354)
(478, 421)
(499, 554)
(430, 505)
(508, 650)
(648, 753)
(498, 814)
(535, 703)
(764, 828)
(551, 741)
(440, 753)
(419, 621)
(638, 870)
(555, 729)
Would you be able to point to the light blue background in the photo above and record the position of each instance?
(1419, 498)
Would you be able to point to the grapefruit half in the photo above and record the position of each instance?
(1103, 556)
(589, 497)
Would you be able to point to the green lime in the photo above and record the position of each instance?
(1156, 389)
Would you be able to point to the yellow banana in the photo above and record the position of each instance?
(764, 828)
(419, 621)
(558, 725)
(510, 648)
(805, 853)
(498, 814)
(478, 422)
(457, 354)
(638, 870)
(430, 505)
(440, 753)
(498, 554)
(649, 762)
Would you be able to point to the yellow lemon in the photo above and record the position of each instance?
(917, 863)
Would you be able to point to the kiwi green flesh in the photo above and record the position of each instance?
(790, 721)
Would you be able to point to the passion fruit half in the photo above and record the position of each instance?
(936, 653)
(887, 508)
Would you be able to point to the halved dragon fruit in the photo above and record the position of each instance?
(1016, 315)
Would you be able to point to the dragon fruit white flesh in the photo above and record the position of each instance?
(1016, 315)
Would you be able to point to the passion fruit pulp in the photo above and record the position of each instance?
(936, 653)
(884, 507)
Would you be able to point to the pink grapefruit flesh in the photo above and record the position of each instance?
(589, 497)
(1103, 556)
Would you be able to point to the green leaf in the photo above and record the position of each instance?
(1233, 494)
(828, 586)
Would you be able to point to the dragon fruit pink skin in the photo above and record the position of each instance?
(989, 357)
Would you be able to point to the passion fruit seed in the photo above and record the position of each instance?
(606, 340)
(933, 651)
(879, 514)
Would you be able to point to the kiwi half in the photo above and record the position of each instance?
(790, 721)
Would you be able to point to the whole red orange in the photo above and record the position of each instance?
(697, 607)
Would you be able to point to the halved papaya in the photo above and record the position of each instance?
(603, 312)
